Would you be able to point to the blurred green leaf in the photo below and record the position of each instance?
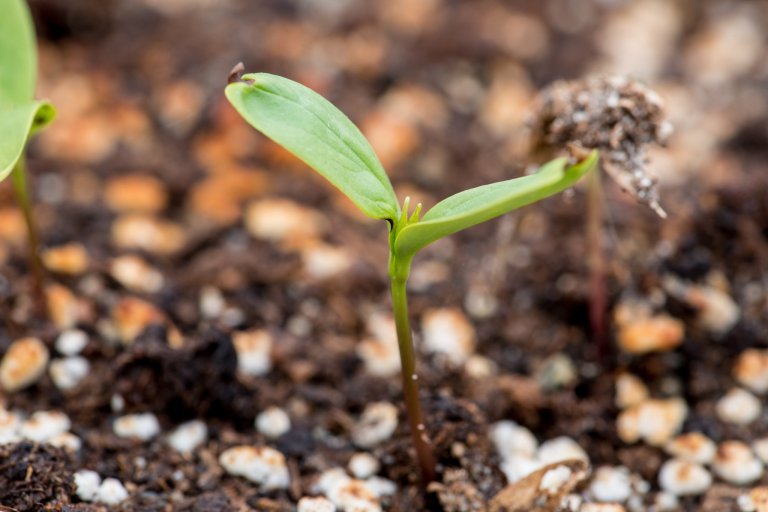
(486, 202)
(17, 123)
(310, 127)
(18, 53)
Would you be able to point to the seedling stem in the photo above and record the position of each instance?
(419, 435)
(21, 188)
(597, 262)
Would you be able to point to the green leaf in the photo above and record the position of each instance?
(486, 202)
(310, 127)
(17, 123)
(18, 53)
(20, 115)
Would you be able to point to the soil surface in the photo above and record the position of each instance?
(444, 90)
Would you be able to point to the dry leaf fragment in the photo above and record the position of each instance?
(542, 490)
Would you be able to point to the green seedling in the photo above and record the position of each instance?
(20, 115)
(315, 131)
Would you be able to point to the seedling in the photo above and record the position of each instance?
(315, 131)
(620, 117)
(20, 116)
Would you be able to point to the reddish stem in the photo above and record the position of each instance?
(598, 300)
(21, 188)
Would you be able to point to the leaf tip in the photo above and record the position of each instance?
(236, 74)
(416, 214)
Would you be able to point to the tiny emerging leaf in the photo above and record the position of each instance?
(486, 202)
(310, 127)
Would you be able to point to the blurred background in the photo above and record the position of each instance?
(443, 90)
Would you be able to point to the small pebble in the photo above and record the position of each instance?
(655, 421)
(380, 354)
(693, 447)
(517, 467)
(23, 364)
(273, 422)
(111, 492)
(666, 502)
(377, 424)
(381, 486)
(43, 425)
(317, 504)
(759, 498)
(142, 426)
(363, 465)
(355, 496)
(561, 449)
(684, 478)
(147, 233)
(717, 311)
(480, 367)
(135, 192)
(611, 484)
(87, 484)
(67, 373)
(602, 507)
(630, 391)
(738, 406)
(254, 351)
(131, 316)
(556, 372)
(511, 439)
(63, 306)
(66, 440)
(70, 259)
(322, 261)
(9, 426)
(259, 464)
(136, 275)
(330, 479)
(735, 463)
(212, 302)
(117, 403)
(381, 358)
(658, 333)
(745, 503)
(449, 332)
(188, 436)
(751, 370)
(71, 342)
(760, 447)
(282, 220)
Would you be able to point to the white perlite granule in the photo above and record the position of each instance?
(138, 426)
(273, 422)
(259, 464)
(188, 436)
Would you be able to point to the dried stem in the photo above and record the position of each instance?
(598, 302)
(21, 188)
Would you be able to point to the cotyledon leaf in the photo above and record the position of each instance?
(483, 203)
(20, 115)
(17, 123)
(18, 54)
(310, 127)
